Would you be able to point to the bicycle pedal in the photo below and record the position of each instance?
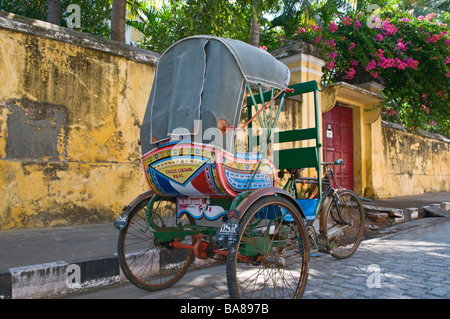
(322, 243)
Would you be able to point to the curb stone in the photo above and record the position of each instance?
(58, 279)
(52, 279)
(396, 215)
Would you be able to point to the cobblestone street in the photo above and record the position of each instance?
(408, 264)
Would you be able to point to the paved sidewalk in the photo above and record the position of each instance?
(34, 262)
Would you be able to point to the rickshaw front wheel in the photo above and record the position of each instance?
(272, 233)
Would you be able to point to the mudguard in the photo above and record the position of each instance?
(244, 205)
(121, 222)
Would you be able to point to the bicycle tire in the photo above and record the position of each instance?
(282, 271)
(147, 264)
(343, 228)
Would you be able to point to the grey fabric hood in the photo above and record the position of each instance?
(202, 78)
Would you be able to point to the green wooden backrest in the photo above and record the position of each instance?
(302, 157)
(297, 157)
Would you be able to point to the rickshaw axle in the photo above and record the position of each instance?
(202, 249)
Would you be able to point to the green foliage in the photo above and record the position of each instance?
(33, 9)
(298, 12)
(94, 13)
(230, 19)
(411, 54)
(164, 26)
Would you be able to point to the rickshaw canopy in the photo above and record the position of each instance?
(202, 79)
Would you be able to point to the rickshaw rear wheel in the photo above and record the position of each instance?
(145, 262)
(271, 258)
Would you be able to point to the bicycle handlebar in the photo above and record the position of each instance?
(338, 162)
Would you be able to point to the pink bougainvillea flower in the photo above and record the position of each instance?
(263, 48)
(352, 45)
(375, 23)
(354, 63)
(447, 60)
(401, 45)
(371, 65)
(429, 17)
(400, 64)
(332, 55)
(357, 24)
(374, 74)
(388, 28)
(318, 39)
(411, 63)
(447, 42)
(448, 74)
(420, 17)
(405, 20)
(434, 38)
(347, 20)
(379, 37)
(350, 74)
(386, 63)
(330, 65)
(331, 43)
(391, 112)
(333, 27)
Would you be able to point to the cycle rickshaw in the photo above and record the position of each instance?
(208, 199)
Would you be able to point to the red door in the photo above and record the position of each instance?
(338, 143)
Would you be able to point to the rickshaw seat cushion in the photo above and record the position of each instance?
(308, 206)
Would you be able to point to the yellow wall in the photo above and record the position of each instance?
(414, 163)
(71, 106)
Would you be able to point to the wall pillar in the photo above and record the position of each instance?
(305, 64)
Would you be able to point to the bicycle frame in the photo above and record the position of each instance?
(326, 189)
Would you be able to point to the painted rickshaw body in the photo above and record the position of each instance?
(206, 199)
